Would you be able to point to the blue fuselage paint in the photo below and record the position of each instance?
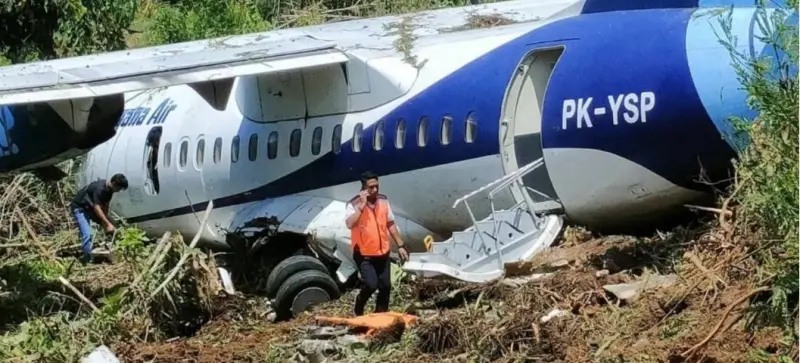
(643, 105)
(718, 83)
(608, 56)
(7, 145)
(599, 6)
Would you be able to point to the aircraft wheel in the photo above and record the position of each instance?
(289, 267)
(303, 290)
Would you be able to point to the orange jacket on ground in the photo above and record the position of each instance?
(370, 234)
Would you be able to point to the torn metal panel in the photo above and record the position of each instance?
(322, 221)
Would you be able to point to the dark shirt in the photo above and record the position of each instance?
(95, 193)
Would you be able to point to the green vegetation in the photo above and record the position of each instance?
(33, 30)
(178, 21)
(404, 30)
(49, 29)
(201, 19)
(43, 320)
(766, 188)
(114, 302)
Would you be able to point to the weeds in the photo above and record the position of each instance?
(477, 21)
(62, 330)
(43, 321)
(766, 188)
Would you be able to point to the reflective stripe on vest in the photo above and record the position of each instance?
(371, 233)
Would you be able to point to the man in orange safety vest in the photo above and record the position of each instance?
(371, 222)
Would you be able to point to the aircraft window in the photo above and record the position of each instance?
(447, 130)
(184, 155)
(217, 150)
(235, 149)
(294, 142)
(471, 127)
(422, 132)
(167, 154)
(272, 145)
(316, 141)
(400, 134)
(201, 152)
(252, 147)
(359, 129)
(377, 139)
(336, 139)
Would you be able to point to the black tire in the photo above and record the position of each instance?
(299, 282)
(289, 267)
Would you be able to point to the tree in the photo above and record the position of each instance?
(46, 29)
(180, 21)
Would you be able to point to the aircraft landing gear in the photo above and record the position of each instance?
(298, 283)
(303, 290)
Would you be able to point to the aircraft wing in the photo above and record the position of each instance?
(146, 68)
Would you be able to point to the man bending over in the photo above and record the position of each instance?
(92, 201)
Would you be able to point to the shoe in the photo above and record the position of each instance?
(103, 253)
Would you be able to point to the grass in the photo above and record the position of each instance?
(404, 44)
(44, 321)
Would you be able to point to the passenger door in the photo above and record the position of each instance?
(521, 125)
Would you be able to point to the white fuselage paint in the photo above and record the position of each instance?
(421, 199)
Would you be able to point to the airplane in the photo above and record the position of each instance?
(628, 104)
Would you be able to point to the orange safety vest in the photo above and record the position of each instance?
(371, 233)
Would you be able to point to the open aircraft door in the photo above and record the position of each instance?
(521, 124)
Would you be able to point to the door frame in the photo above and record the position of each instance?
(507, 121)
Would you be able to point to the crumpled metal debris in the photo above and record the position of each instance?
(631, 291)
(329, 343)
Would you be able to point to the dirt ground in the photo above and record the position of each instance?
(566, 316)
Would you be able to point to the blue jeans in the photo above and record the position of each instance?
(85, 232)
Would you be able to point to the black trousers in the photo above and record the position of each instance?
(376, 274)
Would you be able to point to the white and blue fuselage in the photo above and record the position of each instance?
(628, 106)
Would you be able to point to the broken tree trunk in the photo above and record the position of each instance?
(185, 256)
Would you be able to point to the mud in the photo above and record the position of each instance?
(240, 332)
(497, 322)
